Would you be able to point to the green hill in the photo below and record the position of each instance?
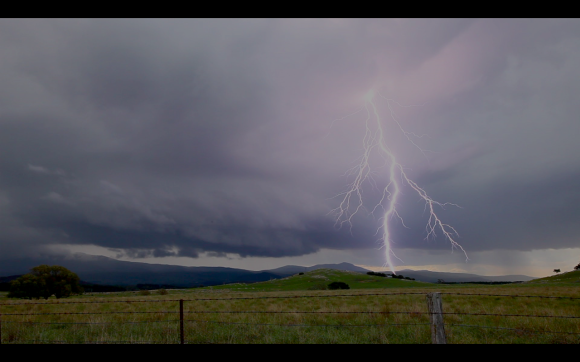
(572, 278)
(319, 280)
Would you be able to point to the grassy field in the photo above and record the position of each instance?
(570, 278)
(297, 310)
(319, 279)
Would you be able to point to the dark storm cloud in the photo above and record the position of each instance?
(499, 216)
(182, 137)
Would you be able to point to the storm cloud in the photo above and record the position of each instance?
(232, 136)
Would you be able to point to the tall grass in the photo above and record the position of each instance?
(394, 319)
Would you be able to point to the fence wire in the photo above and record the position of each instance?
(285, 297)
(309, 325)
(83, 342)
(294, 312)
(214, 299)
(90, 313)
(513, 329)
(98, 323)
(512, 295)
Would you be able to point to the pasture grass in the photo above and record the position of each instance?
(392, 319)
(571, 278)
(319, 280)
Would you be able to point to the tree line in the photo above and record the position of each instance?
(397, 276)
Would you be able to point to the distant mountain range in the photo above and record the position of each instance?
(108, 271)
(294, 269)
(433, 277)
(421, 275)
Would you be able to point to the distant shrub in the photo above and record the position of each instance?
(144, 292)
(577, 267)
(300, 273)
(162, 292)
(338, 285)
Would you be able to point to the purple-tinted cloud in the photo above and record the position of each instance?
(177, 137)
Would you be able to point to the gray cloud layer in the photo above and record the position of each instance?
(176, 137)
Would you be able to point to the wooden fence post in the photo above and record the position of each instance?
(435, 311)
(181, 321)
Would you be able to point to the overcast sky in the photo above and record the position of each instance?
(228, 141)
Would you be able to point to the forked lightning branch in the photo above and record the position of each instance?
(375, 143)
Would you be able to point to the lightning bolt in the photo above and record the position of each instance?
(374, 142)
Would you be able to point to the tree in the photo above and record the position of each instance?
(338, 285)
(45, 281)
(377, 274)
(556, 271)
(27, 286)
(577, 267)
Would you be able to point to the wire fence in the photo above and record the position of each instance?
(29, 322)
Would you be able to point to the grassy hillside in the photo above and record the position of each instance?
(568, 278)
(320, 278)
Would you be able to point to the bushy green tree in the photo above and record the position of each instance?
(338, 285)
(27, 286)
(45, 281)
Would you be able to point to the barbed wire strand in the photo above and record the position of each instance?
(308, 325)
(83, 342)
(511, 295)
(380, 312)
(297, 312)
(214, 299)
(512, 329)
(512, 315)
(288, 297)
(90, 313)
(119, 322)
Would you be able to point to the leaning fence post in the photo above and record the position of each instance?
(181, 320)
(436, 312)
